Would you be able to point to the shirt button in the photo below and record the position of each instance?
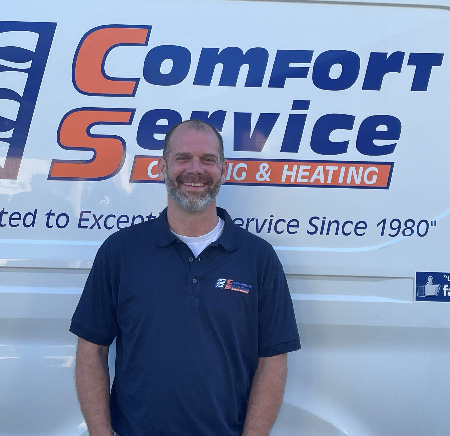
(194, 280)
(191, 259)
(198, 259)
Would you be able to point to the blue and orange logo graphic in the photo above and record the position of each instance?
(24, 50)
(233, 285)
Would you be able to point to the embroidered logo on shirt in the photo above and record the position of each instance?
(233, 285)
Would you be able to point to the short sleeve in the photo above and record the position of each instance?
(278, 333)
(95, 316)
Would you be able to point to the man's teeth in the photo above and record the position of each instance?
(194, 184)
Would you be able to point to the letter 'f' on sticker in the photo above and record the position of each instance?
(89, 75)
(75, 134)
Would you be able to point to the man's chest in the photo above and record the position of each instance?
(174, 287)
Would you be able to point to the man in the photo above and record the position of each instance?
(200, 309)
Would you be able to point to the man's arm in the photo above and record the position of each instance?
(266, 395)
(92, 381)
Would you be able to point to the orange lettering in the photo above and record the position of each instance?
(109, 151)
(88, 73)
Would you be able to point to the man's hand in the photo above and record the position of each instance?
(266, 395)
(92, 381)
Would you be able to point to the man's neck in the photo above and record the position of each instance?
(188, 223)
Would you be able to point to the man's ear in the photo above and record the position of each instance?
(224, 171)
(161, 167)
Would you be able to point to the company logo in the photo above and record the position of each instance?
(233, 285)
(24, 49)
(377, 135)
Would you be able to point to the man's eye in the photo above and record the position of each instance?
(181, 158)
(210, 160)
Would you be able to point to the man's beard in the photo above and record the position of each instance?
(192, 204)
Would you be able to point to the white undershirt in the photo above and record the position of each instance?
(198, 243)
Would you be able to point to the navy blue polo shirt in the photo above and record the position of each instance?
(189, 330)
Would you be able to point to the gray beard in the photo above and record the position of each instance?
(188, 203)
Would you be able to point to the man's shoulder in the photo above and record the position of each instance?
(255, 247)
(142, 232)
(246, 237)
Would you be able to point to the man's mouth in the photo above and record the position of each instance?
(198, 185)
(194, 182)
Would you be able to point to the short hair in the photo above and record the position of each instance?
(198, 125)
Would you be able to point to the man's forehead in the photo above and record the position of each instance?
(186, 138)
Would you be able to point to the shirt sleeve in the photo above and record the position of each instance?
(95, 316)
(278, 333)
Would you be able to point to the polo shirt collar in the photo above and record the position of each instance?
(163, 235)
(229, 239)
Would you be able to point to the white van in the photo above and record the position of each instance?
(335, 117)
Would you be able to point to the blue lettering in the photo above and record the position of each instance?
(293, 224)
(216, 119)
(232, 59)
(325, 125)
(360, 225)
(65, 222)
(261, 227)
(424, 63)
(14, 216)
(275, 227)
(82, 219)
(330, 227)
(33, 219)
(106, 221)
(369, 131)
(311, 223)
(343, 228)
(181, 62)
(283, 70)
(350, 65)
(379, 65)
(243, 140)
(96, 222)
(123, 219)
(294, 128)
(150, 125)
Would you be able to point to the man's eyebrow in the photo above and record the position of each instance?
(188, 153)
(181, 153)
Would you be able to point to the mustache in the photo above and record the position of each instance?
(194, 178)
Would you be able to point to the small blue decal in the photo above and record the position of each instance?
(432, 286)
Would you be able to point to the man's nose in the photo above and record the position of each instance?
(195, 166)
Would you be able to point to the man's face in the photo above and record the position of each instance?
(193, 172)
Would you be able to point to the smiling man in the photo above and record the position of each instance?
(200, 309)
